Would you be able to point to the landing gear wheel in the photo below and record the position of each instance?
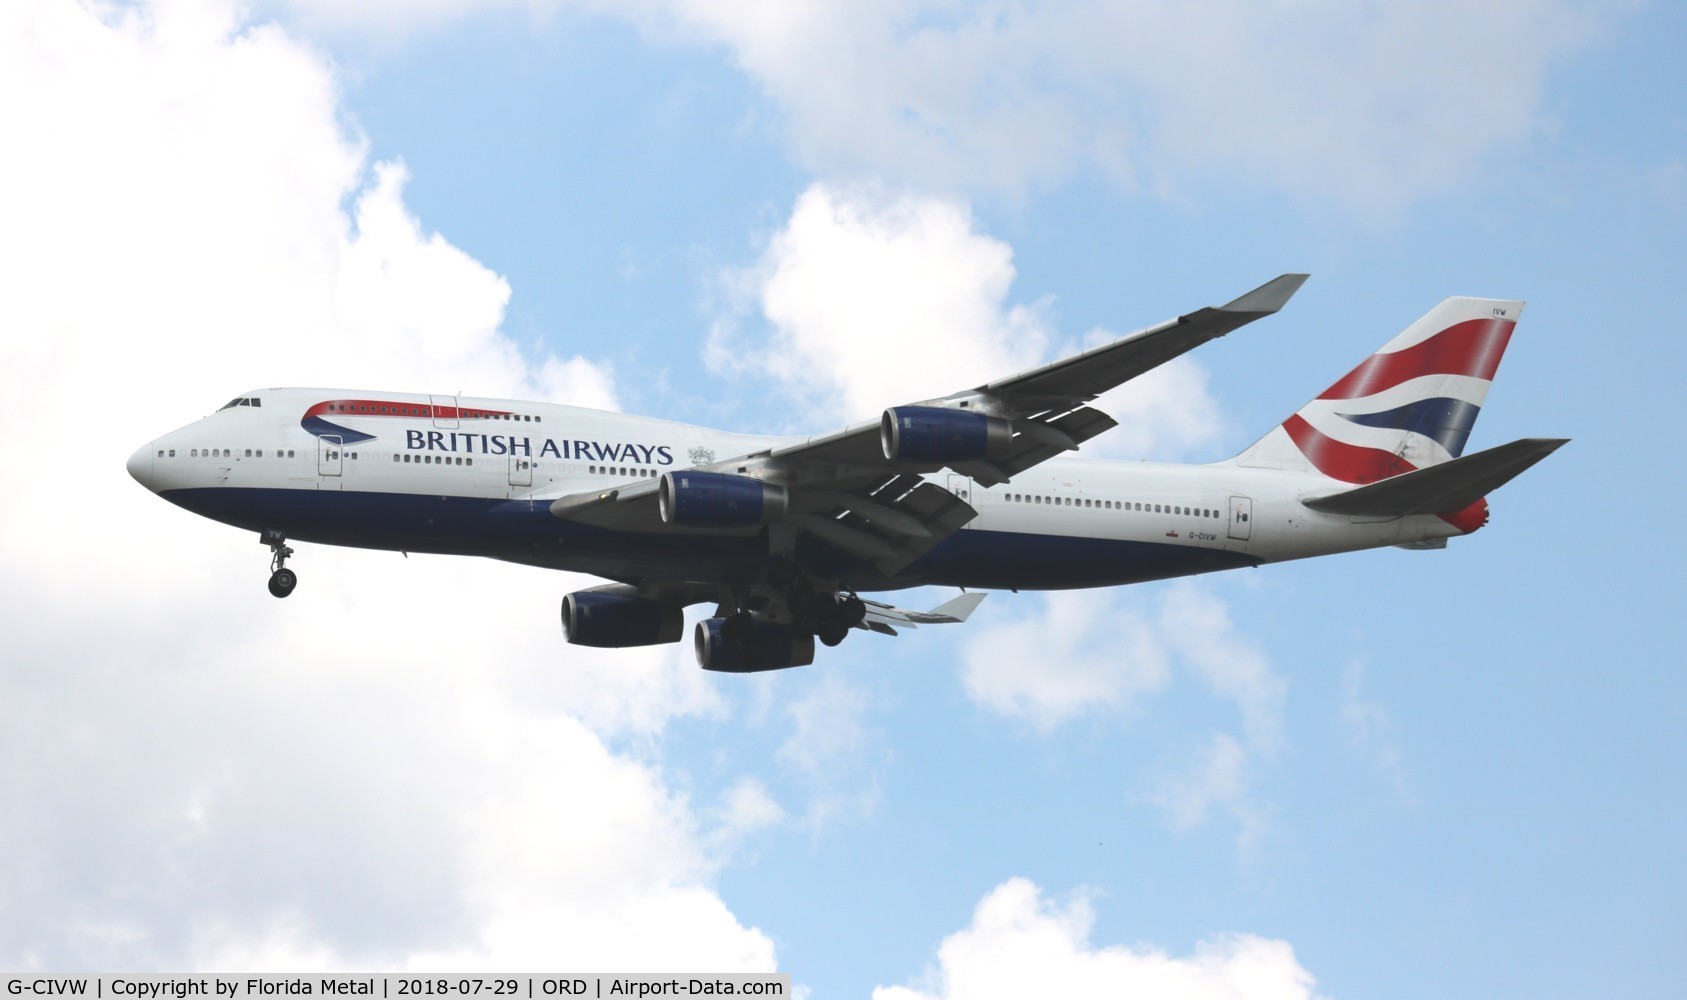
(832, 633)
(281, 579)
(852, 611)
(282, 582)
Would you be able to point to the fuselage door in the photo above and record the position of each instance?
(521, 470)
(330, 455)
(444, 411)
(1241, 518)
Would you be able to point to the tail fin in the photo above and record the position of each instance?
(1409, 406)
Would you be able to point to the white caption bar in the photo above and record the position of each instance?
(392, 986)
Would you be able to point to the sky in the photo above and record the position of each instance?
(1382, 774)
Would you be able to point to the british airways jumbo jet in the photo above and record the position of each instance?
(782, 535)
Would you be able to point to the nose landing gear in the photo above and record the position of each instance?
(281, 579)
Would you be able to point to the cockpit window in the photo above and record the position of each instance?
(231, 404)
(241, 401)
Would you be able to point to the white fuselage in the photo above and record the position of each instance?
(476, 476)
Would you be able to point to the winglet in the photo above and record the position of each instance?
(957, 609)
(1269, 297)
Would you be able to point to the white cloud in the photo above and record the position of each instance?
(1370, 728)
(1164, 415)
(1357, 107)
(876, 299)
(1020, 944)
(1366, 107)
(870, 299)
(1092, 650)
(1197, 625)
(395, 766)
(831, 751)
(1085, 652)
(1217, 779)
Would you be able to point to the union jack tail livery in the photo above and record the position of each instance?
(1409, 406)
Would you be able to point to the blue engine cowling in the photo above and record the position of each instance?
(610, 621)
(718, 500)
(942, 436)
(768, 646)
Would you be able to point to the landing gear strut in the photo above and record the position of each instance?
(281, 579)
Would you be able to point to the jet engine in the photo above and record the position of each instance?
(718, 500)
(758, 645)
(609, 620)
(942, 436)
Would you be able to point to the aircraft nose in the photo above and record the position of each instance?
(140, 465)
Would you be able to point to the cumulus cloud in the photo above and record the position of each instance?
(1021, 944)
(1081, 654)
(401, 765)
(1369, 107)
(1361, 107)
(831, 751)
(1085, 651)
(873, 299)
(867, 298)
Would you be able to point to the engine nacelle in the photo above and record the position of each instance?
(943, 436)
(719, 500)
(610, 621)
(768, 646)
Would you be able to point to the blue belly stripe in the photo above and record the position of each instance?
(524, 532)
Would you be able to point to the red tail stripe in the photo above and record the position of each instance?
(1471, 348)
(1340, 460)
(1363, 466)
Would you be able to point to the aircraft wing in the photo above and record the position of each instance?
(861, 489)
(1046, 405)
(884, 619)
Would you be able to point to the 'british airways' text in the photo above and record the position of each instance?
(567, 449)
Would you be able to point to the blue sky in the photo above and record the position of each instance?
(1386, 774)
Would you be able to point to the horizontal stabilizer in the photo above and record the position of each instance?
(1440, 489)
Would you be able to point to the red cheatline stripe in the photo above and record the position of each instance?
(1339, 460)
(389, 408)
(1471, 348)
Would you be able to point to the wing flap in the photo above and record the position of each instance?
(1039, 439)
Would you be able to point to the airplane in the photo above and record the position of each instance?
(783, 535)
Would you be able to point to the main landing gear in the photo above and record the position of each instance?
(846, 612)
(281, 579)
